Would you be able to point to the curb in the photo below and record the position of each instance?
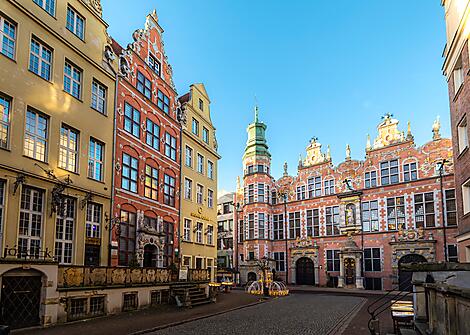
(343, 323)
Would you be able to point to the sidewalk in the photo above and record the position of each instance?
(333, 290)
(139, 321)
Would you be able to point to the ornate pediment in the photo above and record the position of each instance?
(314, 154)
(95, 5)
(388, 133)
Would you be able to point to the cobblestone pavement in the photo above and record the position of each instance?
(295, 314)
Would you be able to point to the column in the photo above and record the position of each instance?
(341, 272)
(359, 279)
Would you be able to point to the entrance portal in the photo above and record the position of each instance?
(150, 256)
(304, 272)
(404, 277)
(350, 271)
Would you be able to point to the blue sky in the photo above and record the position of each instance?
(328, 69)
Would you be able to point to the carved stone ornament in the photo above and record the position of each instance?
(96, 5)
(124, 66)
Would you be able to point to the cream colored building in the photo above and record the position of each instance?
(198, 227)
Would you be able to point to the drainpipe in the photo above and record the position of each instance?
(181, 190)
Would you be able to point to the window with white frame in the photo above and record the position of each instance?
(210, 169)
(279, 259)
(466, 196)
(261, 197)
(424, 210)
(396, 213)
(370, 179)
(189, 157)
(199, 232)
(273, 197)
(73, 80)
(195, 127)
(199, 193)
(131, 120)
(40, 59)
(462, 135)
(251, 226)
(332, 220)
(200, 163)
(75, 23)
(154, 64)
(410, 171)
(98, 96)
(210, 198)
(458, 75)
(301, 192)
(170, 146)
(5, 105)
(31, 221)
(241, 235)
(329, 187)
(389, 172)
(95, 159)
(47, 5)
(332, 260)
(450, 207)
(294, 225)
(452, 253)
(130, 172)
(152, 136)
(163, 102)
(93, 219)
(278, 226)
(68, 148)
(169, 183)
(35, 137)
(7, 37)
(151, 182)
(314, 187)
(261, 222)
(250, 193)
(188, 188)
(372, 260)
(370, 215)
(313, 222)
(205, 135)
(250, 169)
(210, 235)
(187, 230)
(64, 229)
(144, 85)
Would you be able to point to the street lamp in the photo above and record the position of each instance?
(441, 165)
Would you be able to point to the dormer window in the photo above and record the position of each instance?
(154, 64)
(201, 104)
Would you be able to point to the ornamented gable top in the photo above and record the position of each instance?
(95, 5)
(388, 133)
(315, 155)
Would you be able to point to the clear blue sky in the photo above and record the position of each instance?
(328, 69)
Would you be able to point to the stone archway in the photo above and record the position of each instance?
(151, 256)
(311, 255)
(405, 277)
(304, 271)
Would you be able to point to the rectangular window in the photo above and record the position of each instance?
(370, 179)
(332, 260)
(261, 222)
(187, 230)
(332, 220)
(131, 120)
(144, 85)
(129, 302)
(195, 127)
(169, 231)
(199, 193)
(154, 64)
(424, 210)
(200, 163)
(251, 226)
(152, 136)
(389, 172)
(40, 59)
(410, 172)
(210, 235)
(75, 23)
(301, 192)
(130, 173)
(163, 102)
(35, 137)
(188, 188)
(280, 261)
(210, 169)
(395, 213)
(458, 75)
(7, 37)
(31, 220)
(451, 209)
(201, 104)
(98, 97)
(278, 226)
(199, 232)
(314, 187)
(329, 187)
(47, 5)
(240, 231)
(261, 192)
(73, 80)
(462, 134)
(251, 193)
(127, 237)
(151, 182)
(95, 159)
(170, 146)
(250, 169)
(273, 198)
(169, 191)
(294, 225)
(68, 148)
(370, 215)
(64, 229)
(5, 106)
(372, 259)
(373, 283)
(210, 198)
(466, 196)
(452, 254)
(205, 135)
(93, 220)
(313, 222)
(189, 157)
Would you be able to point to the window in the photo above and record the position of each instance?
(2, 205)
(462, 134)
(372, 259)
(35, 137)
(95, 159)
(452, 254)
(451, 209)
(162, 296)
(314, 187)
(199, 232)
(169, 191)
(152, 136)
(187, 230)
(332, 260)
(251, 193)
(75, 23)
(72, 80)
(278, 226)
(280, 261)
(68, 148)
(144, 85)
(424, 210)
(5, 104)
(40, 60)
(332, 220)
(154, 64)
(250, 169)
(129, 178)
(195, 127)
(458, 75)
(373, 283)
(77, 308)
(127, 238)
(151, 182)
(370, 215)
(205, 135)
(294, 225)
(170, 146)
(210, 169)
(389, 172)
(31, 219)
(240, 231)
(395, 213)
(301, 192)
(251, 226)
(329, 187)
(201, 104)
(370, 179)
(96, 306)
(189, 157)
(131, 120)
(200, 163)
(64, 228)
(163, 102)
(188, 188)
(210, 198)
(169, 231)
(410, 172)
(47, 5)
(273, 198)
(261, 192)
(313, 222)
(7, 37)
(199, 193)
(93, 220)
(98, 97)
(129, 302)
(261, 222)
(210, 235)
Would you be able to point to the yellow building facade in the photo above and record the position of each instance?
(198, 226)
(57, 84)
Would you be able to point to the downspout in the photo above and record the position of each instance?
(181, 190)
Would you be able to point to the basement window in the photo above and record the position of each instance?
(129, 302)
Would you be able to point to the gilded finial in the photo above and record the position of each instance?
(409, 135)
(368, 146)
(348, 152)
(328, 153)
(436, 129)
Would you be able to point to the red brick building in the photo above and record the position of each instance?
(351, 224)
(147, 155)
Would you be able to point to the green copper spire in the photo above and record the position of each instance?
(256, 144)
(256, 113)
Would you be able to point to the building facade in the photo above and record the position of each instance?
(198, 225)
(456, 68)
(225, 221)
(349, 225)
(147, 154)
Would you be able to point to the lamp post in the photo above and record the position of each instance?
(443, 221)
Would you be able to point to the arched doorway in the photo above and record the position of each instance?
(251, 276)
(304, 272)
(21, 298)
(150, 256)
(404, 277)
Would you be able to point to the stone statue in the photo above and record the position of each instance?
(436, 127)
(348, 152)
(285, 170)
(350, 215)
